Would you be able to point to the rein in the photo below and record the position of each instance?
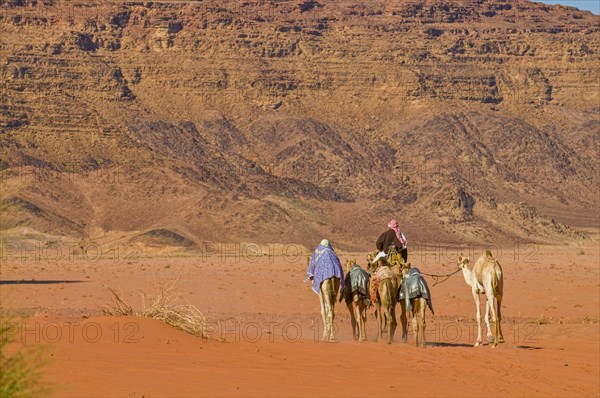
(436, 277)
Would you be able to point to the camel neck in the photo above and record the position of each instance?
(467, 274)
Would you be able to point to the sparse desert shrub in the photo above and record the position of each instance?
(19, 370)
(165, 305)
(118, 306)
(542, 320)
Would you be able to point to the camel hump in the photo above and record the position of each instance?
(488, 254)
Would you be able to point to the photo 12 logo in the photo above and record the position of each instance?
(521, 253)
(55, 251)
(251, 252)
(458, 333)
(126, 332)
(253, 332)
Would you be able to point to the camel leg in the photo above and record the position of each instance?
(499, 315)
(359, 309)
(488, 305)
(334, 286)
(382, 319)
(490, 300)
(478, 316)
(323, 314)
(418, 315)
(394, 322)
(328, 335)
(388, 323)
(379, 319)
(414, 322)
(422, 307)
(326, 310)
(357, 319)
(373, 296)
(403, 321)
(352, 310)
(330, 316)
(362, 308)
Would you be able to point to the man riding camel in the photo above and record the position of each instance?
(392, 237)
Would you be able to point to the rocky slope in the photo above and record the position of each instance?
(286, 121)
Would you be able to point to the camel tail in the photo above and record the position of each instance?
(387, 295)
(332, 293)
(498, 287)
(498, 282)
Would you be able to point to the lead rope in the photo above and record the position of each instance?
(437, 277)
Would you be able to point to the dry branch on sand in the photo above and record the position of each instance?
(118, 307)
(164, 305)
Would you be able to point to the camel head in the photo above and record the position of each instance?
(405, 268)
(371, 267)
(462, 262)
(401, 271)
(349, 264)
(370, 257)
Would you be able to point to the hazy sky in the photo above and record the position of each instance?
(590, 5)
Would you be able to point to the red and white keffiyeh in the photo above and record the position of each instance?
(393, 224)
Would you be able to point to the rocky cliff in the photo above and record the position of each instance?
(287, 121)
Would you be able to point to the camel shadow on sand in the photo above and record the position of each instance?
(529, 347)
(37, 282)
(444, 344)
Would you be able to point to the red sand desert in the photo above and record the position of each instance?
(263, 327)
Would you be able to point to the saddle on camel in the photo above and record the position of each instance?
(384, 287)
(356, 291)
(325, 271)
(383, 268)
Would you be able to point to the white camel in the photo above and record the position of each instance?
(485, 277)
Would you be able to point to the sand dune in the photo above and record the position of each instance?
(264, 327)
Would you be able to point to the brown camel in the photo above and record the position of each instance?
(329, 288)
(384, 294)
(357, 305)
(486, 277)
(418, 306)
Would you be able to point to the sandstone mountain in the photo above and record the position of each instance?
(173, 123)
